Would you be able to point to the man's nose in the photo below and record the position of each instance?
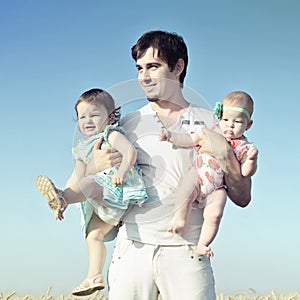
(145, 76)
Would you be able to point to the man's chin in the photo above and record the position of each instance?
(152, 99)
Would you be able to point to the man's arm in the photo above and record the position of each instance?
(239, 187)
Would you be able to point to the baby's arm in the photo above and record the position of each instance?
(249, 162)
(118, 141)
(180, 139)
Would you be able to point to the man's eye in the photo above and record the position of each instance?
(153, 66)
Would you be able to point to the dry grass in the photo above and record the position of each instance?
(97, 296)
(254, 296)
(47, 296)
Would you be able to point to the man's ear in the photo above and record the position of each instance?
(250, 122)
(179, 67)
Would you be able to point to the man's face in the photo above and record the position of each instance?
(155, 77)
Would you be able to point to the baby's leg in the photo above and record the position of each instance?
(212, 214)
(187, 193)
(86, 188)
(96, 231)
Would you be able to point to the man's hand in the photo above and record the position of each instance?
(103, 158)
(214, 144)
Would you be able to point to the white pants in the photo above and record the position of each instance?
(141, 271)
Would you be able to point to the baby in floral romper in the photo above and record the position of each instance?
(234, 115)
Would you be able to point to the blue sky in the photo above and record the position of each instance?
(52, 51)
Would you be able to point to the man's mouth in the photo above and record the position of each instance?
(148, 87)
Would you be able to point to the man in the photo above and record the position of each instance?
(148, 259)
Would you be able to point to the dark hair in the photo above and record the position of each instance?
(99, 96)
(170, 47)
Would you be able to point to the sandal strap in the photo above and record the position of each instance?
(63, 201)
(92, 287)
(92, 279)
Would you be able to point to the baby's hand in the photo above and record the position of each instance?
(117, 179)
(164, 135)
(252, 153)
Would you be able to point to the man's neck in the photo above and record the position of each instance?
(168, 112)
(168, 108)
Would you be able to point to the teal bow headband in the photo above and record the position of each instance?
(219, 108)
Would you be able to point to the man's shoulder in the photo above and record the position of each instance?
(134, 114)
(197, 117)
(133, 119)
(200, 113)
(200, 110)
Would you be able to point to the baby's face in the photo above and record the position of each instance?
(92, 118)
(233, 124)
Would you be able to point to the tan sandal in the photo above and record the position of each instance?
(53, 195)
(92, 287)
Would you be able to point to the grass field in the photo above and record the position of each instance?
(98, 296)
